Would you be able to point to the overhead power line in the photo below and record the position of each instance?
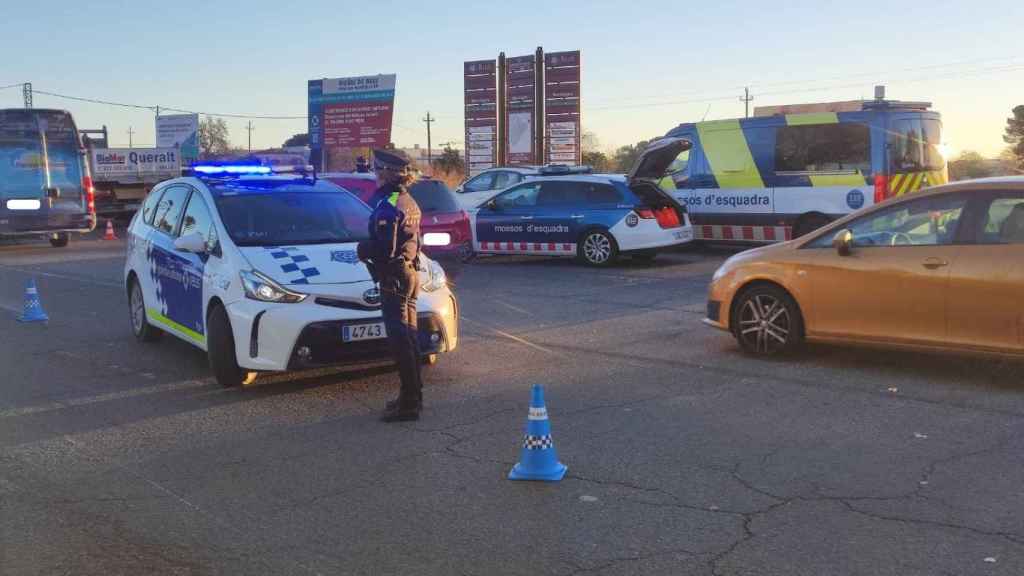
(94, 100)
(18, 85)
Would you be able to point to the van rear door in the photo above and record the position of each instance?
(41, 171)
(915, 152)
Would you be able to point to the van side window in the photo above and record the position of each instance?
(823, 148)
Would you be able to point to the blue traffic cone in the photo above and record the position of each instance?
(538, 460)
(33, 310)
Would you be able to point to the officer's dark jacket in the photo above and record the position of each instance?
(394, 225)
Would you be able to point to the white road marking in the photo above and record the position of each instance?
(134, 392)
(515, 308)
(515, 338)
(92, 281)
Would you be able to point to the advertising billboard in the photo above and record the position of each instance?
(347, 114)
(481, 102)
(520, 95)
(110, 164)
(179, 131)
(562, 107)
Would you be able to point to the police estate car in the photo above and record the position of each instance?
(568, 211)
(259, 269)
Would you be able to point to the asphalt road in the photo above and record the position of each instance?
(685, 457)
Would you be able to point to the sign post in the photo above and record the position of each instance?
(520, 110)
(562, 107)
(481, 102)
(179, 131)
(349, 114)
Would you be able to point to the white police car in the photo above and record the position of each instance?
(486, 184)
(568, 211)
(259, 269)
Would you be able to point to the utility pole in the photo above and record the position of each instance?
(27, 91)
(130, 134)
(430, 156)
(746, 98)
(250, 128)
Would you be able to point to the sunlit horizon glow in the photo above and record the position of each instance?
(645, 69)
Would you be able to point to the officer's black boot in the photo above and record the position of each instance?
(401, 412)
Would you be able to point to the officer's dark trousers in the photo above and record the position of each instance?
(398, 303)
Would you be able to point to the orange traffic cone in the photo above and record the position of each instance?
(109, 235)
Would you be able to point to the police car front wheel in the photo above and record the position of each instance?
(598, 248)
(220, 350)
(141, 328)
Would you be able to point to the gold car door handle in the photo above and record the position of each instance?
(933, 263)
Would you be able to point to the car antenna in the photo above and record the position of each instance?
(706, 113)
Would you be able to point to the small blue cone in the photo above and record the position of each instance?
(538, 460)
(33, 311)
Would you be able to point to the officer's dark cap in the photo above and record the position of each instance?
(389, 160)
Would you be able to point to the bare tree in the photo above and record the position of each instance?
(213, 137)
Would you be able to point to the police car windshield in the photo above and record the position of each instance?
(292, 216)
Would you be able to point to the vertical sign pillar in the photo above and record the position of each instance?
(538, 103)
(520, 117)
(480, 97)
(502, 110)
(562, 107)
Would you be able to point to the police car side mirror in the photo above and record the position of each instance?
(492, 205)
(194, 243)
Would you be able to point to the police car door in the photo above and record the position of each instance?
(176, 301)
(561, 210)
(501, 224)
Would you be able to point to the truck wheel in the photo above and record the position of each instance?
(59, 240)
(220, 351)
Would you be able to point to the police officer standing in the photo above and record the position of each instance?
(391, 254)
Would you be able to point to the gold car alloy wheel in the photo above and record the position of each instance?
(764, 323)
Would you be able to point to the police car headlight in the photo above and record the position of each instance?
(259, 287)
(436, 278)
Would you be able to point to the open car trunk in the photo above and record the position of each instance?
(644, 175)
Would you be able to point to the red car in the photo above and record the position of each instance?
(441, 212)
(442, 215)
(362, 184)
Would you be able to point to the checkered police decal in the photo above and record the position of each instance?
(154, 276)
(537, 442)
(294, 262)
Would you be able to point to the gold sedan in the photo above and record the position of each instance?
(942, 269)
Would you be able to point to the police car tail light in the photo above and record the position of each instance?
(645, 213)
(881, 187)
(259, 287)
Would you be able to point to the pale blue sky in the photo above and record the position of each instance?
(647, 66)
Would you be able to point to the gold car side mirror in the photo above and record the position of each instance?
(843, 242)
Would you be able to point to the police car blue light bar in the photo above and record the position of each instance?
(243, 169)
(238, 169)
